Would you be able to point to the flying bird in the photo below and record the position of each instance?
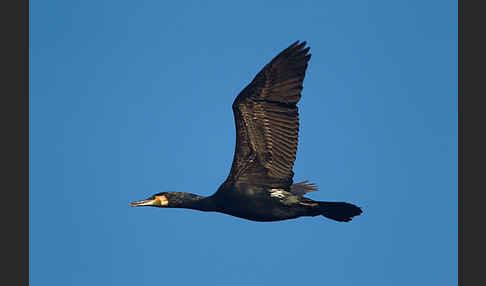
(260, 186)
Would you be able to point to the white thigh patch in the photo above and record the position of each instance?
(277, 193)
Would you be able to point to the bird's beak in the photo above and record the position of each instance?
(146, 203)
(158, 201)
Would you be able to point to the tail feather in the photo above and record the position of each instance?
(339, 211)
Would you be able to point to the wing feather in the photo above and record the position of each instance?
(267, 121)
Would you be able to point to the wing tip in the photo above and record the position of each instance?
(298, 46)
(298, 50)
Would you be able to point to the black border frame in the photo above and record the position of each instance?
(471, 142)
(15, 142)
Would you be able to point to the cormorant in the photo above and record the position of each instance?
(260, 185)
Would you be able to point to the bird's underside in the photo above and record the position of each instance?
(260, 183)
(261, 203)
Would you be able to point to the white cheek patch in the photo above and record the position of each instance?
(163, 200)
(277, 193)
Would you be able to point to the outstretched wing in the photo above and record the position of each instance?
(267, 121)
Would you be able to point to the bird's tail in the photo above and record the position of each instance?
(339, 211)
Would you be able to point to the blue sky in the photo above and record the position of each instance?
(131, 98)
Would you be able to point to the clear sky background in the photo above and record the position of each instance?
(131, 98)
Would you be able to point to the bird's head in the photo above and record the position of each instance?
(169, 200)
(160, 200)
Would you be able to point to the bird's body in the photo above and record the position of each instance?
(258, 203)
(260, 185)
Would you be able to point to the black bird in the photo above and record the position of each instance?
(260, 185)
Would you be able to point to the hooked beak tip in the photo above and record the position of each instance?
(143, 203)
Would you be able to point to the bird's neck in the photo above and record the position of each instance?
(193, 201)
